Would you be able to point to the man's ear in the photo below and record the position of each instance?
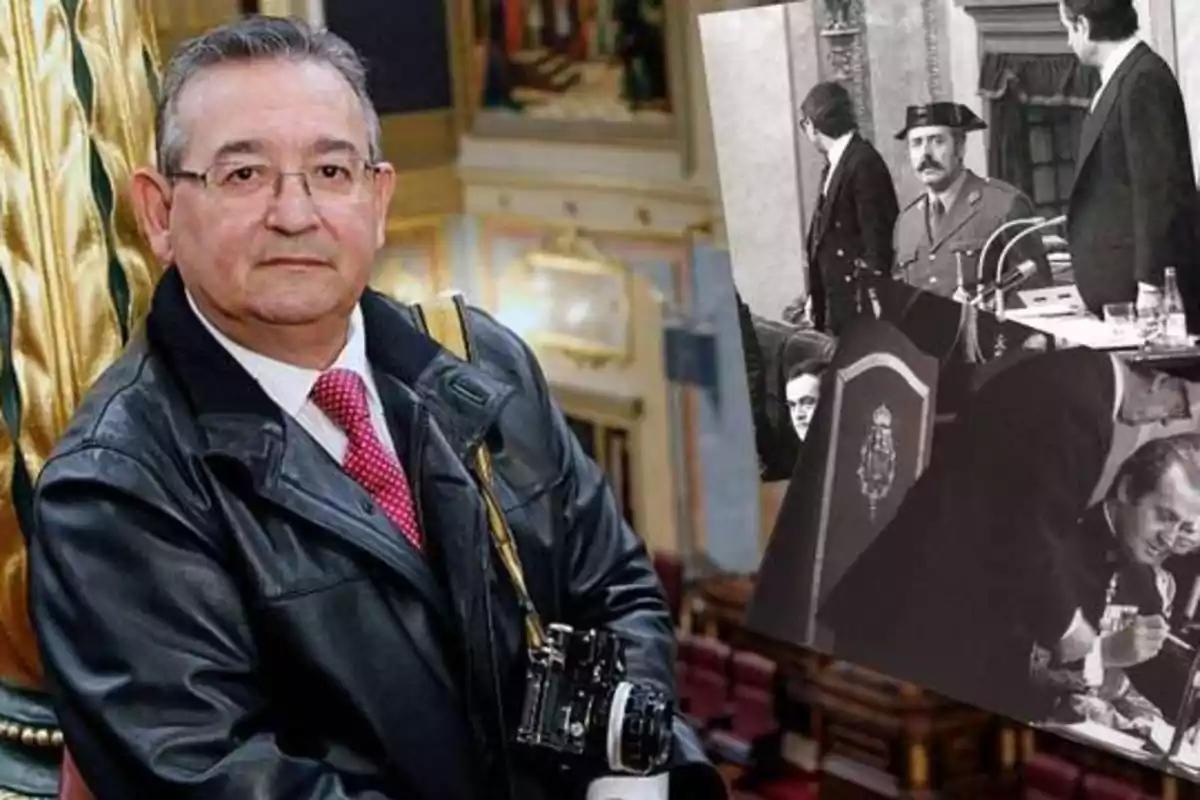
(151, 195)
(385, 186)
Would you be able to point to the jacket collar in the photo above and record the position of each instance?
(1095, 121)
(464, 399)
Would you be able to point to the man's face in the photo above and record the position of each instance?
(291, 257)
(1164, 522)
(803, 392)
(1078, 36)
(936, 155)
(810, 132)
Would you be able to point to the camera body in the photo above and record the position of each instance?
(578, 703)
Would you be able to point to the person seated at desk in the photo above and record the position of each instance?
(1116, 660)
(946, 595)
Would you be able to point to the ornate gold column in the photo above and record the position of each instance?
(76, 116)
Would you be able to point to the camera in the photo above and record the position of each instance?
(579, 703)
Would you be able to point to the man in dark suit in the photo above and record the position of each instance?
(981, 544)
(849, 243)
(1132, 208)
(1113, 622)
(288, 465)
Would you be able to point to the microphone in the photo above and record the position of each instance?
(1049, 223)
(991, 240)
(1024, 271)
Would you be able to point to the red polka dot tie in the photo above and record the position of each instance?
(342, 395)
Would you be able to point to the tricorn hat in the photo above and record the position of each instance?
(952, 115)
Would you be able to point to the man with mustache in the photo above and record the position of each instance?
(958, 211)
(948, 226)
(263, 564)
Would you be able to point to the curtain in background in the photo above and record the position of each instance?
(1009, 81)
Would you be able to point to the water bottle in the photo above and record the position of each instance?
(1174, 320)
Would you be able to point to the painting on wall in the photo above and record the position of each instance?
(587, 65)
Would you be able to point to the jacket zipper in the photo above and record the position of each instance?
(420, 434)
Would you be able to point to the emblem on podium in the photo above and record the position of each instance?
(877, 463)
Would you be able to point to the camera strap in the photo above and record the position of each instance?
(445, 321)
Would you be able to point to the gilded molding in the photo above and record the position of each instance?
(420, 140)
(30, 735)
(422, 192)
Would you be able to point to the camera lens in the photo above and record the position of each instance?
(642, 724)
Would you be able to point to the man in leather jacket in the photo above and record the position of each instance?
(261, 566)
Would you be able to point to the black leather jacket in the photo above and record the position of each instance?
(224, 614)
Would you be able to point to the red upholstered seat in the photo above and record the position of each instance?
(752, 706)
(71, 786)
(707, 688)
(1102, 787)
(1050, 778)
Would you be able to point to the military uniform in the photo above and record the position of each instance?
(928, 259)
(931, 252)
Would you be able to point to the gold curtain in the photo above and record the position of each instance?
(77, 85)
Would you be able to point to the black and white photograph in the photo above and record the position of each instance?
(990, 211)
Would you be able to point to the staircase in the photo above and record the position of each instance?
(545, 71)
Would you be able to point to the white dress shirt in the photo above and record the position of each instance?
(1111, 64)
(289, 386)
(836, 151)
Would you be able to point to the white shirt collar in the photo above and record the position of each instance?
(287, 384)
(836, 151)
(1111, 64)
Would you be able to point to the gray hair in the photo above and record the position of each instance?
(256, 39)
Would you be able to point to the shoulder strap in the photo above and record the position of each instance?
(445, 321)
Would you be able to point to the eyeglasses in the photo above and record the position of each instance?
(332, 178)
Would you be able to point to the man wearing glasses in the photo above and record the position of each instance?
(261, 565)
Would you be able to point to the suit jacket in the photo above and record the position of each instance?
(853, 223)
(280, 638)
(939, 596)
(1095, 558)
(928, 259)
(1133, 204)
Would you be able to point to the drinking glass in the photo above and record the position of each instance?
(1121, 318)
